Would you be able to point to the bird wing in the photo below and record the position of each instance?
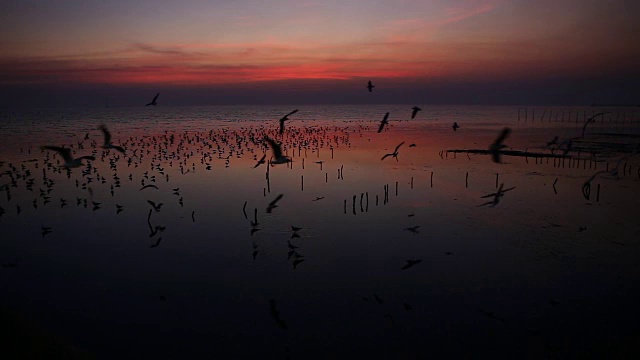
(277, 151)
(155, 98)
(291, 113)
(381, 126)
(64, 152)
(386, 116)
(495, 156)
(276, 200)
(503, 135)
(106, 133)
(398, 147)
(413, 114)
(88, 157)
(386, 156)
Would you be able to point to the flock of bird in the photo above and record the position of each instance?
(176, 149)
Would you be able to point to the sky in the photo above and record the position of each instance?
(92, 53)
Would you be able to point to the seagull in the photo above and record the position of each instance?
(272, 205)
(383, 122)
(455, 126)
(415, 111)
(285, 118)
(394, 153)
(69, 161)
(497, 145)
(261, 161)
(370, 86)
(410, 263)
(154, 102)
(496, 196)
(107, 140)
(277, 153)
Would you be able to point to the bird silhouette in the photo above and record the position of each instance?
(107, 140)
(278, 158)
(383, 122)
(148, 186)
(394, 153)
(154, 102)
(155, 207)
(455, 126)
(272, 204)
(415, 111)
(497, 145)
(285, 118)
(370, 86)
(69, 161)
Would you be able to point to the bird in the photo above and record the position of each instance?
(394, 153)
(285, 118)
(272, 204)
(370, 86)
(277, 153)
(148, 186)
(383, 122)
(69, 161)
(107, 140)
(497, 196)
(154, 102)
(410, 263)
(455, 126)
(295, 228)
(261, 161)
(413, 229)
(155, 207)
(497, 145)
(415, 111)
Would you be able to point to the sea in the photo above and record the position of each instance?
(439, 249)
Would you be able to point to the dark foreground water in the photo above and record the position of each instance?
(545, 273)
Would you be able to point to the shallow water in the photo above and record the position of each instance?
(544, 273)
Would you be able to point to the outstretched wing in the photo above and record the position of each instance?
(277, 151)
(106, 133)
(386, 156)
(503, 135)
(398, 147)
(383, 123)
(155, 98)
(276, 200)
(291, 113)
(64, 152)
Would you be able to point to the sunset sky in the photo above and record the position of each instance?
(286, 51)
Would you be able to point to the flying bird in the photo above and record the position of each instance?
(394, 153)
(415, 111)
(69, 161)
(154, 102)
(149, 186)
(277, 153)
(383, 122)
(370, 86)
(497, 145)
(455, 126)
(272, 205)
(285, 118)
(107, 140)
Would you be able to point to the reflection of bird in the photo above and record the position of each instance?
(413, 229)
(297, 262)
(275, 314)
(107, 140)
(455, 126)
(370, 86)
(148, 186)
(285, 118)
(295, 228)
(415, 111)
(261, 161)
(410, 263)
(394, 153)
(383, 122)
(277, 153)
(69, 161)
(155, 207)
(157, 243)
(154, 102)
(498, 145)
(272, 205)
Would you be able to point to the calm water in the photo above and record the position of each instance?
(545, 273)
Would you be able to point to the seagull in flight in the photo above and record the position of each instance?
(370, 86)
(261, 161)
(383, 123)
(107, 140)
(496, 196)
(394, 153)
(285, 118)
(455, 126)
(277, 153)
(154, 102)
(69, 161)
(497, 145)
(272, 205)
(415, 111)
